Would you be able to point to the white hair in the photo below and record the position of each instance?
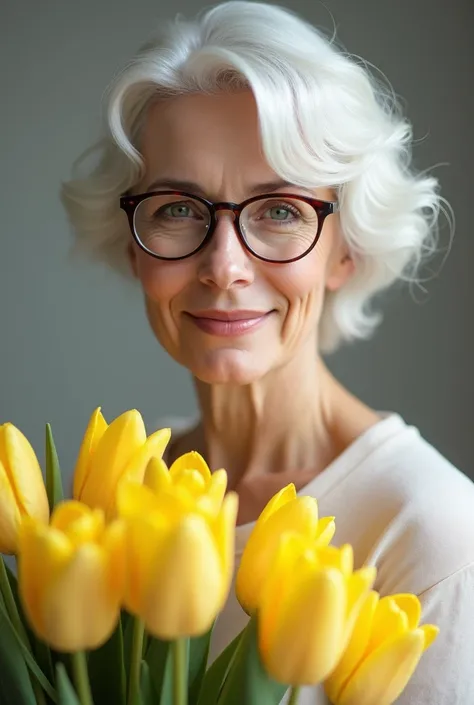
(325, 121)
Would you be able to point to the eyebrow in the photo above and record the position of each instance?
(194, 187)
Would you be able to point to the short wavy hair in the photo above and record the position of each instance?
(325, 120)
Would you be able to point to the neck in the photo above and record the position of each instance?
(283, 423)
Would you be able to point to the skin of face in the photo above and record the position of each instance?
(211, 143)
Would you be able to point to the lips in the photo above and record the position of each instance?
(233, 315)
(228, 323)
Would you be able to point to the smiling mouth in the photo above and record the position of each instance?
(229, 323)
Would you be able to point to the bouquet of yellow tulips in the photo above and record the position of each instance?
(116, 590)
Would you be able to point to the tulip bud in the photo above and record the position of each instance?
(284, 512)
(111, 454)
(71, 576)
(308, 608)
(383, 652)
(180, 542)
(22, 490)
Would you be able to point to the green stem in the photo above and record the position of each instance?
(81, 677)
(12, 611)
(180, 671)
(136, 661)
(294, 692)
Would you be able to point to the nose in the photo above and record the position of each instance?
(224, 262)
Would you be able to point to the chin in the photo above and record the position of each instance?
(228, 367)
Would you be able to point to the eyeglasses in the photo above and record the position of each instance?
(173, 225)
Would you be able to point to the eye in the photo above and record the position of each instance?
(281, 212)
(176, 210)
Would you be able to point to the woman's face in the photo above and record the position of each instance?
(211, 145)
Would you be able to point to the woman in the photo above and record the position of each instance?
(256, 181)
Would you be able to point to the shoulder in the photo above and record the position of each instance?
(407, 510)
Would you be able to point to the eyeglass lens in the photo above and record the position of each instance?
(274, 228)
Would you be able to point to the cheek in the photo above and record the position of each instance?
(163, 284)
(162, 281)
(302, 284)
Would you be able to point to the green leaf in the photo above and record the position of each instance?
(67, 694)
(198, 655)
(15, 684)
(31, 660)
(247, 681)
(41, 651)
(216, 673)
(108, 659)
(159, 660)
(54, 486)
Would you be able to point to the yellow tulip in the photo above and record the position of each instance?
(22, 490)
(180, 541)
(284, 512)
(71, 576)
(383, 652)
(112, 454)
(308, 608)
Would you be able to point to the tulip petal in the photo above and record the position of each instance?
(185, 588)
(325, 531)
(78, 522)
(77, 610)
(10, 516)
(135, 469)
(157, 475)
(276, 586)
(299, 515)
(431, 632)
(285, 495)
(355, 649)
(358, 586)
(154, 447)
(306, 642)
(95, 430)
(389, 622)
(122, 439)
(191, 461)
(44, 552)
(224, 532)
(135, 500)
(217, 486)
(24, 473)
(411, 606)
(383, 675)
(144, 540)
(191, 480)
(113, 542)
(341, 559)
(67, 512)
(210, 502)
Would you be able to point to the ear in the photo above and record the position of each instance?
(340, 271)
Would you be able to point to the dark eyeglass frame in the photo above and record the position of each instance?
(323, 208)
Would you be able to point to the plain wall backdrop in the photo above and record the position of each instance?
(73, 336)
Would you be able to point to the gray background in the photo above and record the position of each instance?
(73, 337)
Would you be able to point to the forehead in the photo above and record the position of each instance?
(194, 134)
